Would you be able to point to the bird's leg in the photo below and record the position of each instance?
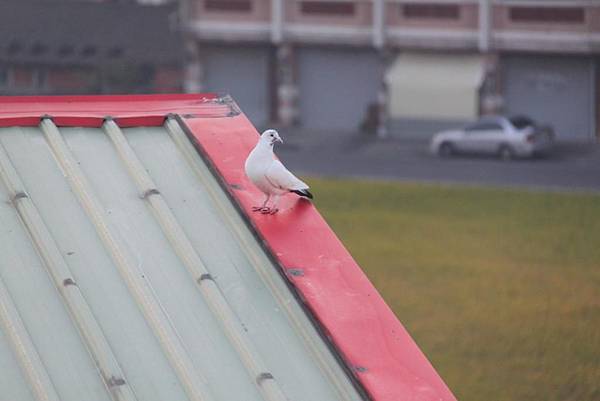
(263, 208)
(273, 208)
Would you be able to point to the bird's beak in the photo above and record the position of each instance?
(280, 140)
(276, 140)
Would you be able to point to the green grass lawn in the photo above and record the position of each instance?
(500, 288)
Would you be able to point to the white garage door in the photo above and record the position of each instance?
(336, 86)
(242, 72)
(552, 90)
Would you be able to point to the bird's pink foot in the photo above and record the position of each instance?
(273, 211)
(262, 209)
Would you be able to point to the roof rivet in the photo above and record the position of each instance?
(296, 272)
(191, 115)
(68, 281)
(148, 192)
(263, 376)
(205, 276)
(17, 196)
(115, 381)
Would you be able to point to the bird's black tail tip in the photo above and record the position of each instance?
(303, 192)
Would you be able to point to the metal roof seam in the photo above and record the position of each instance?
(193, 382)
(24, 349)
(183, 248)
(62, 277)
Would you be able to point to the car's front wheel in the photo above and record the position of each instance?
(446, 149)
(506, 153)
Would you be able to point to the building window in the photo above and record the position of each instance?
(344, 8)
(13, 48)
(22, 78)
(38, 48)
(40, 78)
(115, 52)
(228, 5)
(431, 11)
(65, 50)
(3, 77)
(89, 51)
(567, 15)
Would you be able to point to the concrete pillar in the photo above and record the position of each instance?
(485, 23)
(491, 101)
(387, 58)
(277, 15)
(378, 23)
(287, 90)
(193, 76)
(193, 72)
(382, 120)
(595, 96)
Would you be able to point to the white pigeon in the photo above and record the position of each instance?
(270, 175)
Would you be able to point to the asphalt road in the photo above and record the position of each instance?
(569, 166)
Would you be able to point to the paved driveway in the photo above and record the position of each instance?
(569, 166)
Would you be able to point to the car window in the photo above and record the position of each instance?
(521, 122)
(483, 126)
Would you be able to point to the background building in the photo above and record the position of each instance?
(71, 47)
(332, 64)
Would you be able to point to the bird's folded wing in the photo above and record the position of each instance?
(280, 177)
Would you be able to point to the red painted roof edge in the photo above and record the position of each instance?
(105, 98)
(89, 111)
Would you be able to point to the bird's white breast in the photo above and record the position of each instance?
(257, 164)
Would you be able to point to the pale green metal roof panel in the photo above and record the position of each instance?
(46, 321)
(12, 383)
(240, 335)
(267, 324)
(122, 323)
(157, 262)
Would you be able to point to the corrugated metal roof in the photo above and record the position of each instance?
(127, 274)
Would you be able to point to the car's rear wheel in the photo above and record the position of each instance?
(446, 149)
(506, 153)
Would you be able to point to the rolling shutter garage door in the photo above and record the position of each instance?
(427, 86)
(242, 72)
(551, 90)
(336, 86)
